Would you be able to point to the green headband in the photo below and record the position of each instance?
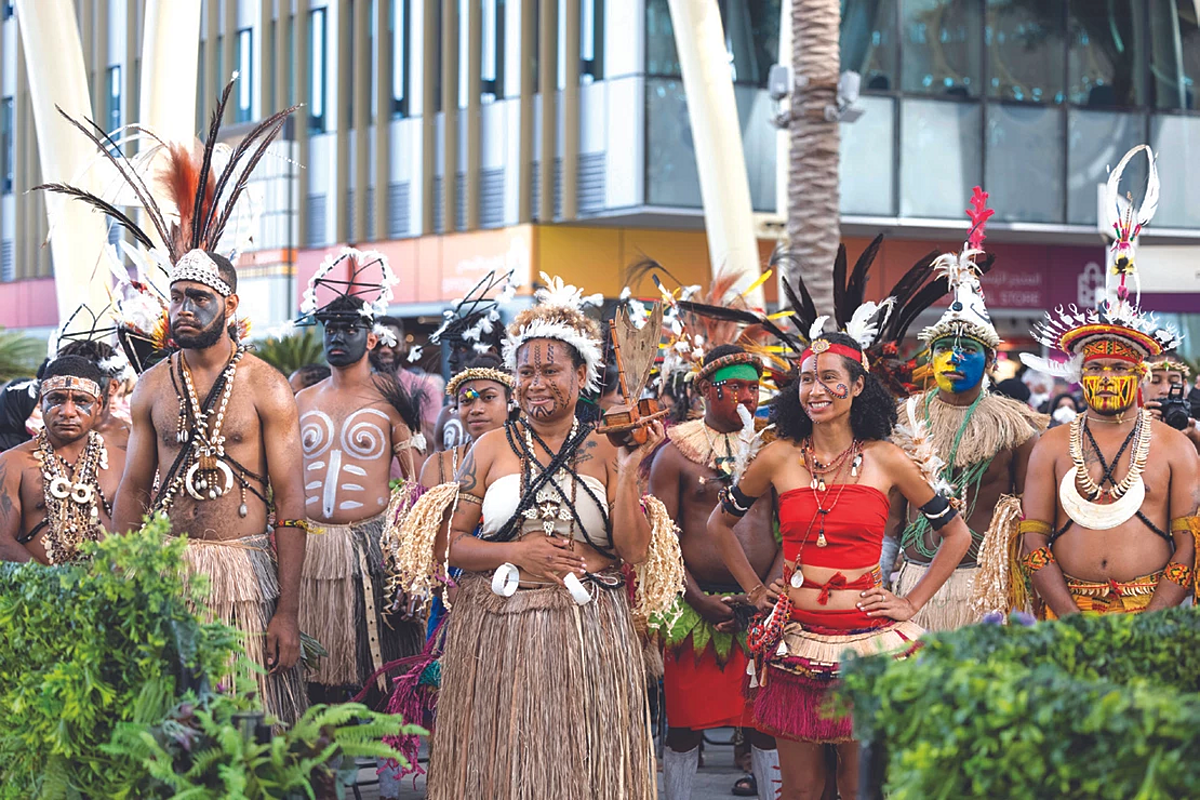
(736, 372)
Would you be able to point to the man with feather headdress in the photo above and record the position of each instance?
(353, 424)
(1110, 507)
(216, 425)
(982, 440)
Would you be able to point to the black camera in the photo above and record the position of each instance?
(1175, 408)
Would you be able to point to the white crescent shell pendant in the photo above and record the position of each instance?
(797, 579)
(1094, 516)
(211, 492)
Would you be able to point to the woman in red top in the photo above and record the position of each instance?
(833, 471)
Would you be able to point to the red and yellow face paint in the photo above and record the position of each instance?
(1112, 373)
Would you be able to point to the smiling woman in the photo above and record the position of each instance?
(541, 640)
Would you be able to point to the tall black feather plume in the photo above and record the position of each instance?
(100, 205)
(643, 267)
(120, 163)
(738, 315)
(218, 228)
(856, 285)
(912, 280)
(235, 158)
(921, 301)
(130, 173)
(839, 288)
(408, 405)
(802, 303)
(210, 143)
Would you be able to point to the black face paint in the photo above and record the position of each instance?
(345, 342)
(459, 351)
(197, 318)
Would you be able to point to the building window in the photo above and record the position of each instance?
(316, 61)
(868, 43)
(6, 145)
(401, 26)
(1025, 46)
(751, 37)
(1174, 54)
(591, 40)
(244, 57)
(1106, 62)
(113, 108)
(941, 48)
(492, 60)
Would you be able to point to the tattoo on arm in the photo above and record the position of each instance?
(6, 503)
(466, 476)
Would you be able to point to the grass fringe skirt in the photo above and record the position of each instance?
(345, 614)
(541, 698)
(243, 590)
(794, 699)
(950, 607)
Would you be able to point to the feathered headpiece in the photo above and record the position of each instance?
(476, 317)
(88, 334)
(967, 315)
(368, 285)
(203, 184)
(695, 321)
(559, 315)
(1118, 328)
(879, 328)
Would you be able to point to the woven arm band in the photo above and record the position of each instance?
(1042, 557)
(1179, 574)
(1034, 526)
(1185, 524)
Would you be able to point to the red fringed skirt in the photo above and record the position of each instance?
(792, 693)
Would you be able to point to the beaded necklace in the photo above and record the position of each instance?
(853, 456)
(203, 472)
(72, 495)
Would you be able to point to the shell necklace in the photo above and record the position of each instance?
(72, 496)
(1127, 494)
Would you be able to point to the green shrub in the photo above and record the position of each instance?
(88, 646)
(1096, 707)
(101, 666)
(203, 751)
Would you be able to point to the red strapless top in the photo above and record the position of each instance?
(853, 529)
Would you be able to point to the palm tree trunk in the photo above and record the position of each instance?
(812, 226)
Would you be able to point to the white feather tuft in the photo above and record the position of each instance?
(818, 327)
(1068, 370)
(749, 443)
(867, 320)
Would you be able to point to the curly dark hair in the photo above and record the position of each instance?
(872, 414)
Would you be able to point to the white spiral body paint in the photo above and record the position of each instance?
(363, 436)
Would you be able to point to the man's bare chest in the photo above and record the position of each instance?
(236, 422)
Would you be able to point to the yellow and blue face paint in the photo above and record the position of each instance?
(958, 363)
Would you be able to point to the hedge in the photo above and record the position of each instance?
(1090, 706)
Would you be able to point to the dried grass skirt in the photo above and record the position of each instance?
(342, 605)
(243, 590)
(950, 607)
(541, 698)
